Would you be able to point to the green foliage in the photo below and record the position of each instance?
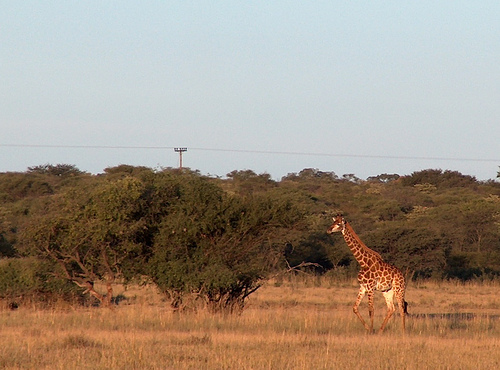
(61, 170)
(219, 246)
(92, 233)
(385, 177)
(220, 238)
(32, 279)
(440, 179)
(320, 249)
(126, 171)
(16, 186)
(308, 174)
(6, 248)
(248, 182)
(417, 250)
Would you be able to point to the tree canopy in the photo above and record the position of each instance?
(218, 239)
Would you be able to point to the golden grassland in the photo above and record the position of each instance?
(295, 324)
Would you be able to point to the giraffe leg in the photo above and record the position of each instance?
(389, 300)
(402, 310)
(371, 309)
(361, 294)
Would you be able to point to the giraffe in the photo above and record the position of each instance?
(375, 274)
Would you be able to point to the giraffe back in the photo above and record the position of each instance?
(383, 276)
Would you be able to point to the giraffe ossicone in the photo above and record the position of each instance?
(375, 274)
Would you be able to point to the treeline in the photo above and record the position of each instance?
(213, 241)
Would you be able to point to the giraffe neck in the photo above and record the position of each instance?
(364, 255)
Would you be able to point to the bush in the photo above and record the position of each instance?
(32, 280)
(217, 246)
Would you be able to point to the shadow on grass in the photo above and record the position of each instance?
(464, 316)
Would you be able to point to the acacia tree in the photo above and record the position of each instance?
(61, 170)
(217, 246)
(91, 233)
(416, 250)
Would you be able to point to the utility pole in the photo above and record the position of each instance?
(180, 151)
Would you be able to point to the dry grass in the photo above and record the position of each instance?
(302, 324)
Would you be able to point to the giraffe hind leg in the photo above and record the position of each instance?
(403, 310)
(389, 300)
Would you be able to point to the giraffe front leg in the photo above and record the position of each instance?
(361, 294)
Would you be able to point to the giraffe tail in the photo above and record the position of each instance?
(405, 307)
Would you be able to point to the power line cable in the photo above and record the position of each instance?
(372, 156)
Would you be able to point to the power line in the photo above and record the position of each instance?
(84, 146)
(317, 154)
(350, 155)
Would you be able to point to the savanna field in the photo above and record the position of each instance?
(297, 323)
(69, 240)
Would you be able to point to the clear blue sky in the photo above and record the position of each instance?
(352, 87)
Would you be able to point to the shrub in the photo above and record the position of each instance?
(218, 246)
(32, 280)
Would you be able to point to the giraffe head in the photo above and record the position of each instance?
(338, 224)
